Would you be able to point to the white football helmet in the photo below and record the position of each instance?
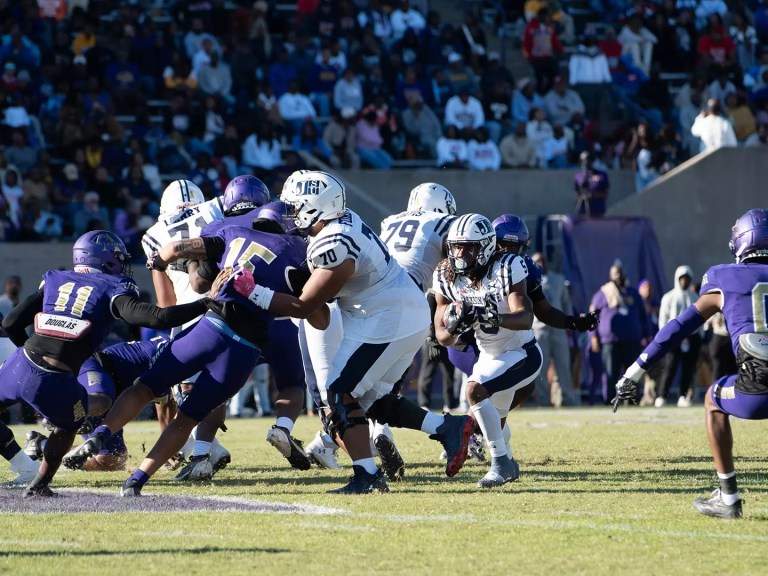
(431, 197)
(312, 195)
(477, 238)
(180, 195)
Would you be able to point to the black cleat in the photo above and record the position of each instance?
(715, 507)
(289, 447)
(198, 469)
(454, 434)
(76, 458)
(34, 446)
(43, 491)
(391, 461)
(362, 482)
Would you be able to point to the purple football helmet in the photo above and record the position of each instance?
(277, 212)
(101, 251)
(244, 193)
(749, 236)
(512, 233)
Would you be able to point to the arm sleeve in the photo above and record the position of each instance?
(671, 335)
(214, 248)
(133, 311)
(22, 315)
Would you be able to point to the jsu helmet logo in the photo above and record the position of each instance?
(310, 187)
(483, 227)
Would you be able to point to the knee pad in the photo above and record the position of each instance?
(340, 420)
(397, 411)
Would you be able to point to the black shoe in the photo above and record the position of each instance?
(76, 458)
(714, 506)
(34, 445)
(362, 482)
(42, 491)
(391, 461)
(454, 434)
(198, 469)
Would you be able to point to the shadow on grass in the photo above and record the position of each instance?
(87, 553)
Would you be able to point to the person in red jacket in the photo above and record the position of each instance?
(541, 47)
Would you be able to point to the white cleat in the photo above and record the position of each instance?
(318, 453)
(21, 481)
(219, 457)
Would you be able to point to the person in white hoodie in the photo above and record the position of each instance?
(464, 111)
(590, 75)
(295, 107)
(482, 153)
(673, 303)
(714, 130)
(637, 41)
(451, 149)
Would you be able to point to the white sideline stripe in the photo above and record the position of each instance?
(329, 526)
(180, 534)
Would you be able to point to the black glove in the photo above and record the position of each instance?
(583, 322)
(626, 389)
(154, 262)
(458, 317)
(491, 313)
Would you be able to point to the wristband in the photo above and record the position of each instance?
(261, 296)
(634, 372)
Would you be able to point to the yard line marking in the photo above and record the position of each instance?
(67, 544)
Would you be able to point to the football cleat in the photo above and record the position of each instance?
(198, 469)
(318, 453)
(23, 479)
(503, 470)
(289, 447)
(362, 482)
(391, 461)
(75, 459)
(476, 448)
(219, 457)
(34, 446)
(130, 489)
(454, 435)
(43, 491)
(715, 507)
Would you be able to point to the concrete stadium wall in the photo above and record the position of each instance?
(694, 206)
(375, 194)
(31, 260)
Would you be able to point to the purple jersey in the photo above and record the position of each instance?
(77, 312)
(745, 297)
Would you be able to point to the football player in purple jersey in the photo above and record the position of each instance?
(72, 313)
(740, 292)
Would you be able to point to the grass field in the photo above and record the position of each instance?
(599, 493)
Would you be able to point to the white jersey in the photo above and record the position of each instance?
(502, 274)
(379, 303)
(415, 240)
(188, 223)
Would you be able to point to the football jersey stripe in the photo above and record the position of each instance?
(325, 243)
(442, 226)
(346, 237)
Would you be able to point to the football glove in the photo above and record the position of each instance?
(491, 314)
(154, 262)
(626, 389)
(583, 322)
(458, 317)
(434, 350)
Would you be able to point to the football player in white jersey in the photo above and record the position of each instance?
(384, 315)
(486, 291)
(416, 239)
(184, 212)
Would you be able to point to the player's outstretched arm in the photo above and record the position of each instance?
(191, 248)
(139, 313)
(556, 318)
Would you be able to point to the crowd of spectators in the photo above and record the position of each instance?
(103, 101)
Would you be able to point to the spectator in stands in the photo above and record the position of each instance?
(440, 90)
(517, 151)
(339, 136)
(308, 140)
(179, 76)
(129, 225)
(451, 150)
(338, 58)
(626, 85)
(321, 81)
(47, 226)
(123, 79)
(9, 81)
(464, 111)
(196, 36)
(497, 108)
(524, 100)
(261, 151)
(295, 107)
(686, 355)
(266, 103)
(67, 192)
(203, 55)
(409, 85)
(12, 195)
(348, 91)
(589, 74)
(404, 17)
(541, 47)
(561, 103)
(282, 73)
(482, 153)
(707, 8)
(422, 126)
(494, 74)
(717, 52)
(623, 326)
(714, 130)
(369, 143)
(592, 187)
(458, 74)
(215, 79)
(20, 153)
(609, 46)
(407, 48)
(539, 131)
(376, 18)
(555, 149)
(648, 161)
(325, 23)
(637, 41)
(16, 115)
(744, 124)
(745, 39)
(759, 138)
(92, 216)
(227, 147)
(34, 186)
